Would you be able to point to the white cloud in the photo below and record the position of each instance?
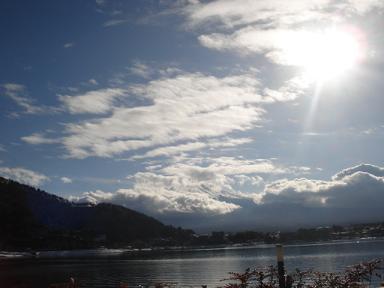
(66, 180)
(23, 175)
(168, 151)
(272, 13)
(100, 2)
(93, 81)
(193, 108)
(248, 39)
(273, 43)
(204, 186)
(363, 7)
(94, 102)
(141, 69)
(184, 107)
(38, 138)
(93, 197)
(289, 91)
(115, 22)
(277, 29)
(144, 198)
(359, 187)
(296, 47)
(2, 148)
(69, 45)
(226, 166)
(165, 198)
(190, 108)
(300, 191)
(367, 168)
(252, 180)
(192, 185)
(18, 94)
(233, 13)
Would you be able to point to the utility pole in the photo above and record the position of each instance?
(280, 265)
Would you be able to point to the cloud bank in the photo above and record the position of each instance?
(193, 185)
(195, 190)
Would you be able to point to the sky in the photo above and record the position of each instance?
(212, 115)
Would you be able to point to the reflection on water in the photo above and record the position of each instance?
(190, 268)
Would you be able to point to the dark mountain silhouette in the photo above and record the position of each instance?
(32, 218)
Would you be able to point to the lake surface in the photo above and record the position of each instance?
(191, 268)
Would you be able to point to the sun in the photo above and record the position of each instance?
(324, 55)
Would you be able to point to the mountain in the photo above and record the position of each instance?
(32, 218)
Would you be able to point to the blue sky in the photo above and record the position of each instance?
(207, 114)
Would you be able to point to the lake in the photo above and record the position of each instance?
(189, 268)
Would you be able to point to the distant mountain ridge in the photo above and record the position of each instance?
(32, 218)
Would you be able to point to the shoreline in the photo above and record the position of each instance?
(144, 253)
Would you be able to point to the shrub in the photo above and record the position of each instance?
(364, 274)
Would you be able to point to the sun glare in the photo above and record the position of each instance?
(324, 55)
